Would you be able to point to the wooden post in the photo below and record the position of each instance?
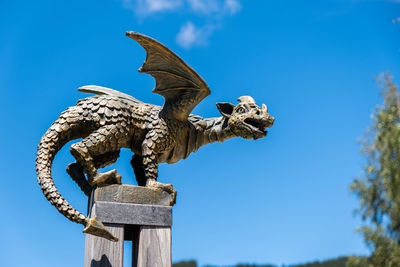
(101, 252)
(154, 248)
(147, 224)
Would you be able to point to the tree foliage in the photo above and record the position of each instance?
(379, 189)
(338, 262)
(191, 263)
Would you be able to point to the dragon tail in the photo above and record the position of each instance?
(63, 130)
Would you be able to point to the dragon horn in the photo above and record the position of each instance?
(264, 108)
(247, 99)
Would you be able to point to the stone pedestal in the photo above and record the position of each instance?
(139, 214)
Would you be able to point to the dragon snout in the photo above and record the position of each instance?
(270, 121)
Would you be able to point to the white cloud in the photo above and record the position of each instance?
(190, 35)
(213, 8)
(232, 6)
(147, 7)
(161, 5)
(211, 11)
(187, 35)
(204, 6)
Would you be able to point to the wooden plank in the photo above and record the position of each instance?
(100, 252)
(154, 248)
(136, 214)
(133, 194)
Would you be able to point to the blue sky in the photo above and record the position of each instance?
(282, 199)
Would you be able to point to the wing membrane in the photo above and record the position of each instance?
(177, 82)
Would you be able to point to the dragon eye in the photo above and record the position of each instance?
(240, 110)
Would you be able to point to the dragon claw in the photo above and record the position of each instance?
(166, 187)
(109, 177)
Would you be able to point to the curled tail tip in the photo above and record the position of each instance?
(97, 228)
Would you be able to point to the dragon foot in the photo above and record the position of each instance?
(109, 177)
(166, 187)
(97, 228)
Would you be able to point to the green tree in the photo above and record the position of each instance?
(379, 189)
(338, 262)
(191, 263)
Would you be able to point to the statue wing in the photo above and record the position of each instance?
(178, 83)
(99, 90)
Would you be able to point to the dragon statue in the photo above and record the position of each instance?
(112, 120)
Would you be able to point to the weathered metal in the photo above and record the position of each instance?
(112, 120)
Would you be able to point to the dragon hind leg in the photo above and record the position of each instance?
(75, 170)
(98, 149)
(106, 159)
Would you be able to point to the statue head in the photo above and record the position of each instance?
(246, 119)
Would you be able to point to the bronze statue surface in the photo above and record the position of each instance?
(112, 120)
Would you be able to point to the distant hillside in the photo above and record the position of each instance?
(338, 262)
(185, 264)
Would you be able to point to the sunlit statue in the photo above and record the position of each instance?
(112, 120)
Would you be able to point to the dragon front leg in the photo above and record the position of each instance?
(150, 168)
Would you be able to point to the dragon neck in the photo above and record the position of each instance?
(211, 130)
